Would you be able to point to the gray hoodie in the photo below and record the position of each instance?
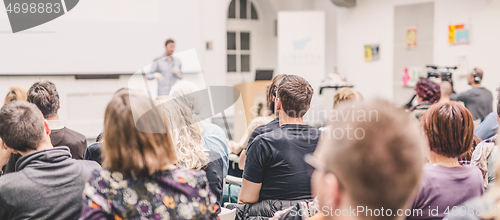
(47, 184)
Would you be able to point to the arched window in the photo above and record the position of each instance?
(242, 9)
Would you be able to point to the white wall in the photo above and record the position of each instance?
(370, 22)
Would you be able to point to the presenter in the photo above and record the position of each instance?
(166, 69)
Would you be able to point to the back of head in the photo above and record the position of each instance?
(449, 127)
(186, 132)
(16, 93)
(477, 75)
(380, 162)
(446, 89)
(186, 92)
(272, 90)
(21, 126)
(344, 94)
(295, 94)
(45, 96)
(428, 90)
(139, 146)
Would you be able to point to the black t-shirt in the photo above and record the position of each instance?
(263, 129)
(276, 159)
(214, 172)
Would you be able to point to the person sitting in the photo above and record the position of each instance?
(48, 183)
(271, 98)
(428, 93)
(16, 93)
(45, 96)
(140, 179)
(378, 170)
(186, 137)
(274, 168)
(478, 100)
(214, 138)
(486, 153)
(446, 183)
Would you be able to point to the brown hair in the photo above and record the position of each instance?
(295, 94)
(21, 125)
(45, 96)
(16, 93)
(169, 41)
(136, 137)
(344, 94)
(381, 164)
(449, 127)
(272, 90)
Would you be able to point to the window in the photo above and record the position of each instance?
(238, 52)
(242, 9)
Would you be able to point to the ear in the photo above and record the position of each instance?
(278, 104)
(58, 104)
(335, 194)
(46, 125)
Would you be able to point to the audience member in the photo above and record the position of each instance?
(214, 138)
(93, 151)
(446, 183)
(486, 154)
(45, 96)
(428, 93)
(271, 96)
(345, 94)
(478, 100)
(379, 171)
(488, 128)
(141, 180)
(167, 69)
(446, 91)
(16, 93)
(186, 137)
(274, 167)
(48, 183)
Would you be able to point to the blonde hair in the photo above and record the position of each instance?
(16, 93)
(136, 147)
(345, 94)
(186, 132)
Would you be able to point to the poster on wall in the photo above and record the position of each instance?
(372, 52)
(411, 38)
(411, 75)
(458, 34)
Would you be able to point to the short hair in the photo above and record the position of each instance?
(477, 73)
(344, 94)
(381, 164)
(428, 90)
(169, 41)
(446, 89)
(136, 137)
(21, 125)
(45, 96)
(449, 127)
(295, 94)
(272, 90)
(16, 93)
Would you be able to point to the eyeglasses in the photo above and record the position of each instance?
(314, 164)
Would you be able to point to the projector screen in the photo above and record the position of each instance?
(102, 37)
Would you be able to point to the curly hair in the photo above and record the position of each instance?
(428, 90)
(186, 132)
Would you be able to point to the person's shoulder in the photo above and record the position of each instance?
(73, 135)
(96, 146)
(159, 58)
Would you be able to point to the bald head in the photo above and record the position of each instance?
(475, 76)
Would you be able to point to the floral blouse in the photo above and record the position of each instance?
(171, 194)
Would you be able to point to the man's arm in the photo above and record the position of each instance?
(243, 157)
(154, 69)
(249, 192)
